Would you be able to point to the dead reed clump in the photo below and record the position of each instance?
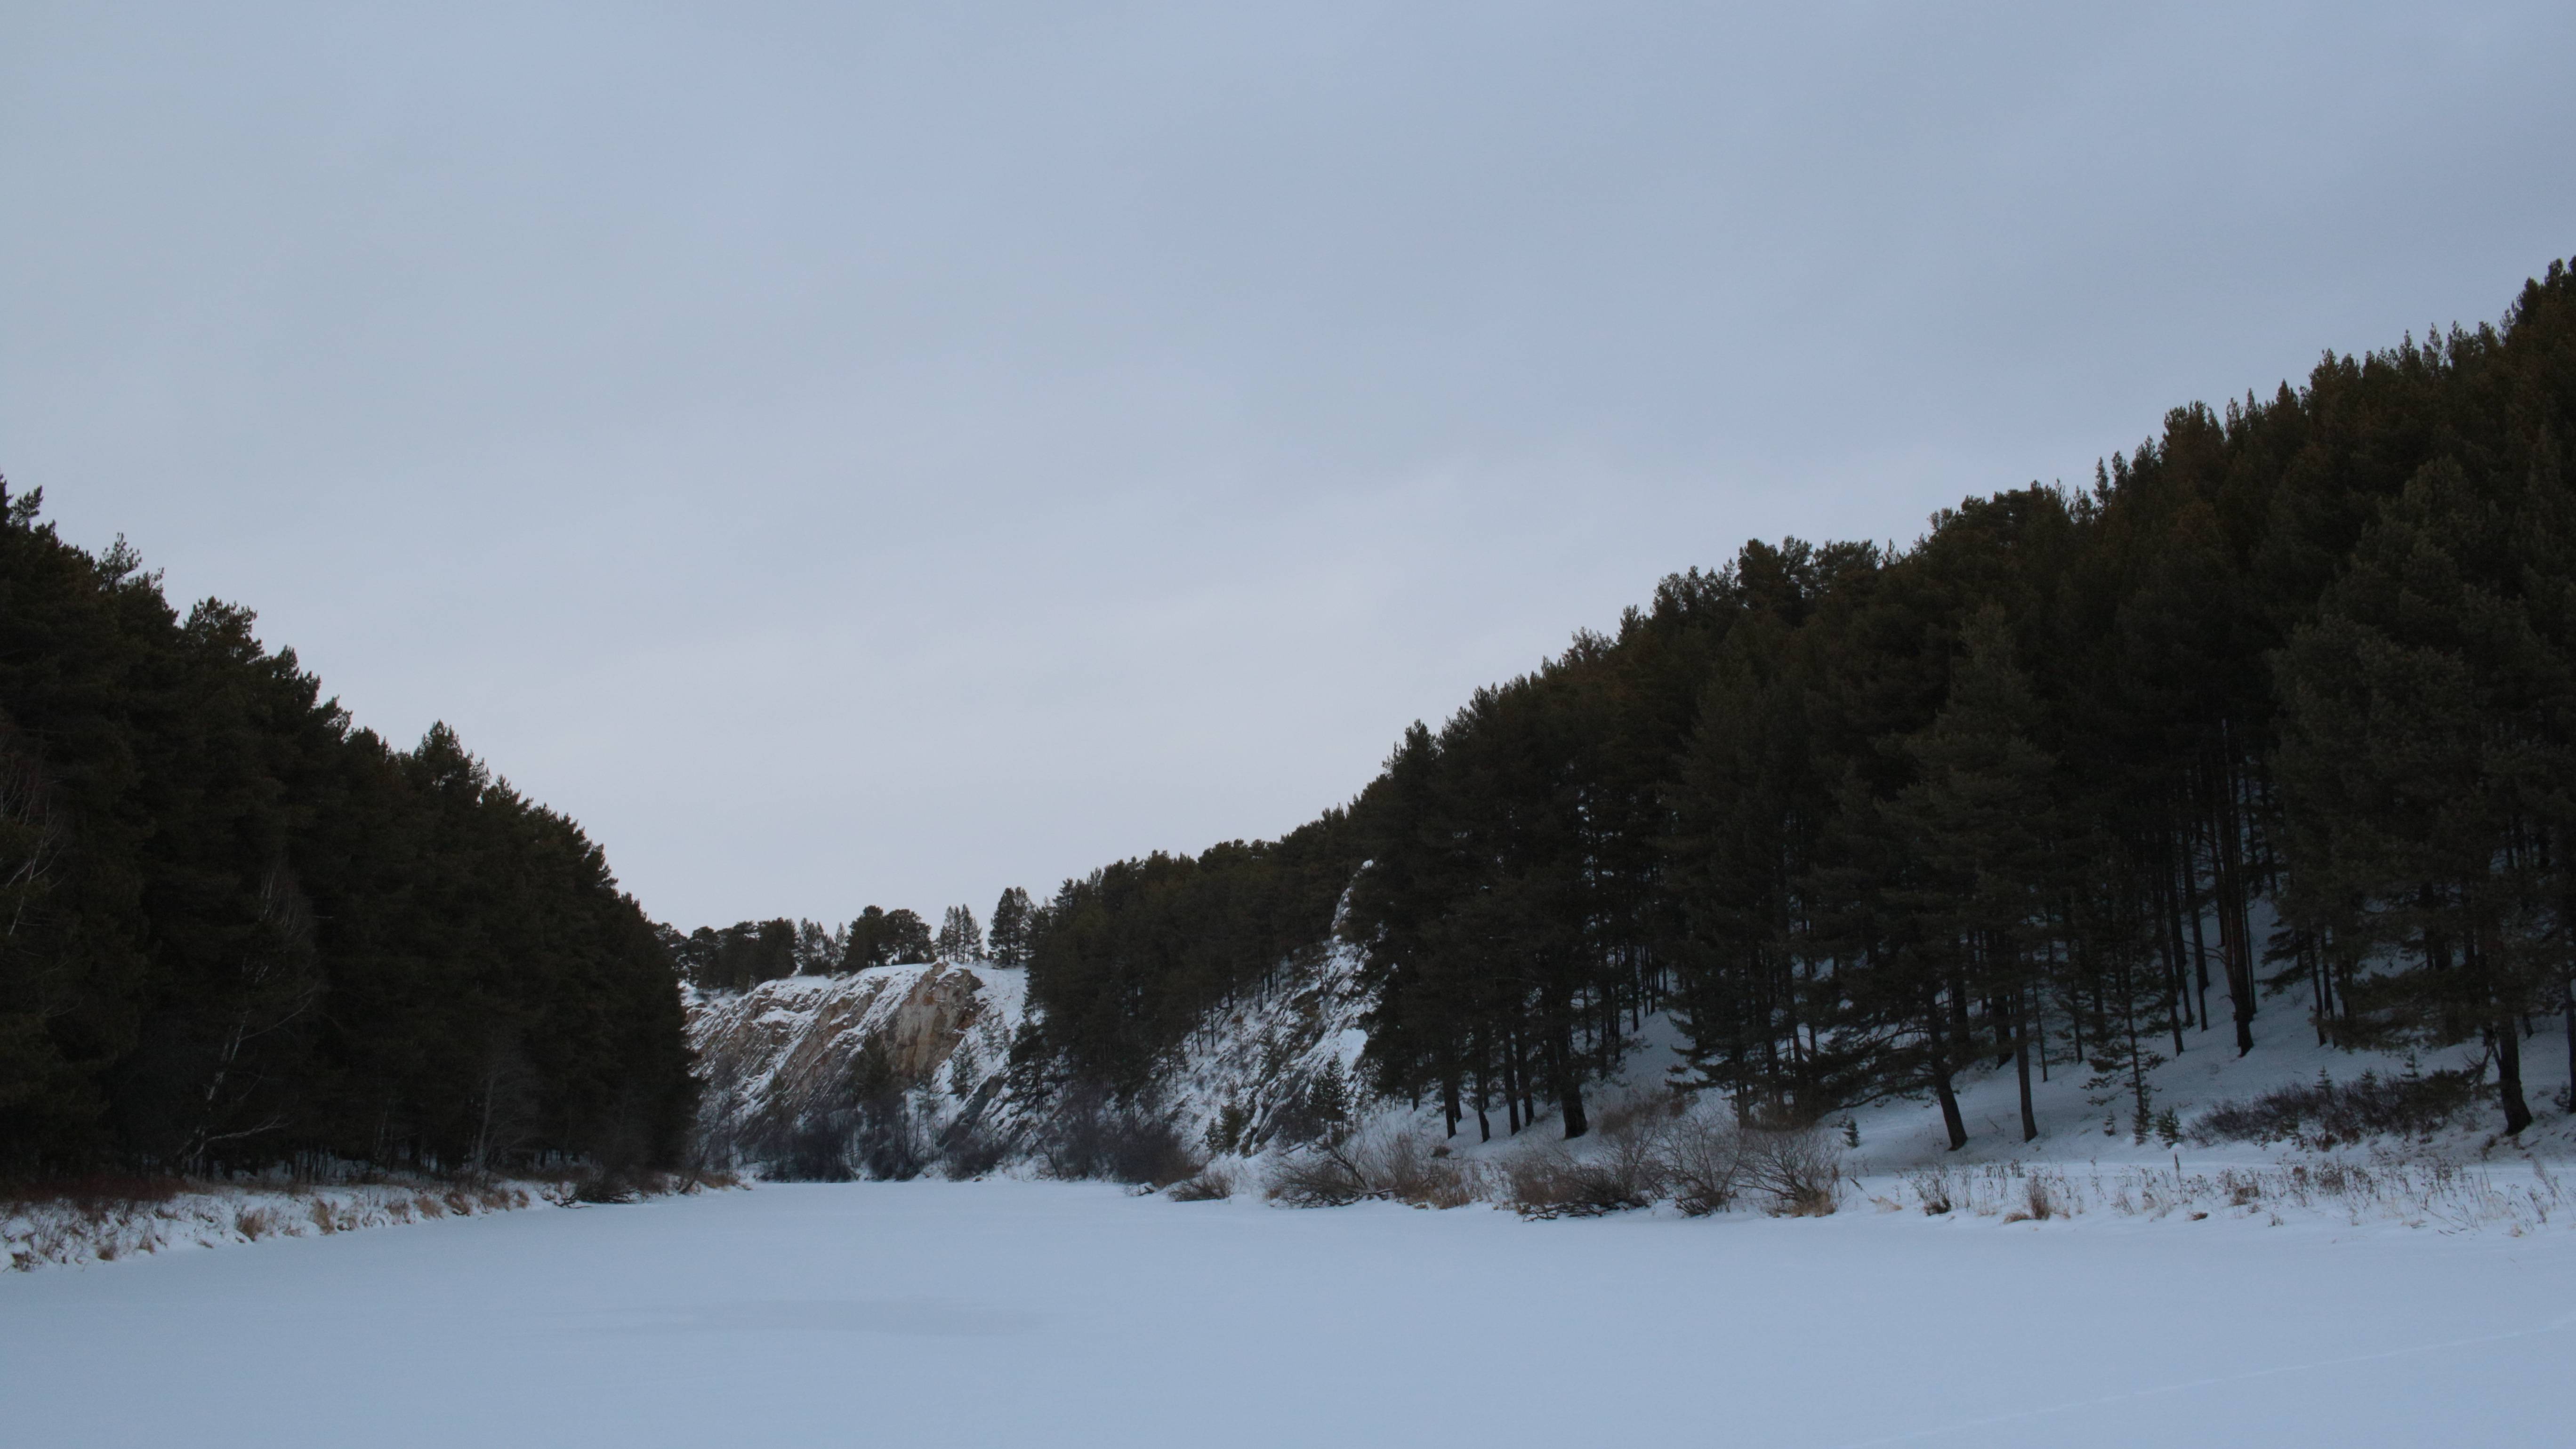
(2039, 1204)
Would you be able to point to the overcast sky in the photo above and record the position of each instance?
(846, 455)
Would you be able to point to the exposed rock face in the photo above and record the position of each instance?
(901, 1069)
(804, 1047)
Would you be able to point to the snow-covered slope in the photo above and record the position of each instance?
(1255, 1064)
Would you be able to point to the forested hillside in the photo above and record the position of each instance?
(236, 931)
(2268, 730)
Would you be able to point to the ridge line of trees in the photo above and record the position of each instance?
(237, 932)
(747, 953)
(2276, 719)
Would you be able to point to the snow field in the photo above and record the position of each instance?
(1032, 1313)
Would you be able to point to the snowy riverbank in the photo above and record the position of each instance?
(119, 1221)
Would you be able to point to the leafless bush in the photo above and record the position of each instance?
(1552, 1182)
(1626, 1164)
(1932, 1187)
(1411, 1171)
(1644, 1115)
(2324, 1113)
(1213, 1184)
(1799, 1169)
(1319, 1176)
(608, 1185)
(971, 1150)
(1703, 1162)
(1095, 1138)
(1394, 1164)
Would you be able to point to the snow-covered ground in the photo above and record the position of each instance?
(1032, 1313)
(1905, 1134)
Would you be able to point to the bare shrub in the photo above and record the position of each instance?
(1539, 1183)
(1408, 1170)
(254, 1223)
(1319, 1176)
(1643, 1115)
(1702, 1160)
(1932, 1187)
(1799, 1169)
(972, 1150)
(1095, 1138)
(1396, 1165)
(1213, 1184)
(1552, 1182)
(2323, 1113)
(603, 1186)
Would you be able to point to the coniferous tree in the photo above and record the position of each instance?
(960, 939)
(1013, 925)
(2423, 763)
(908, 938)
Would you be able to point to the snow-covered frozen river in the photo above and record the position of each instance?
(1041, 1314)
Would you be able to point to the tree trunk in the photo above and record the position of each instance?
(2199, 942)
(2567, 989)
(2517, 1112)
(1569, 1084)
(2021, 1068)
(1951, 1121)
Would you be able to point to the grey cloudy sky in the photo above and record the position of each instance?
(847, 454)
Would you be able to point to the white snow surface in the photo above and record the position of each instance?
(1033, 1313)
